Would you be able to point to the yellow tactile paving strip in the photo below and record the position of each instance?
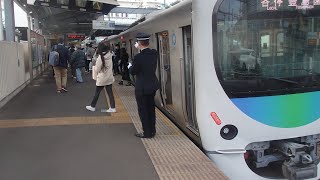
(122, 113)
(173, 155)
(121, 116)
(61, 121)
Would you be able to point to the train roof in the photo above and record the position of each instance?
(152, 17)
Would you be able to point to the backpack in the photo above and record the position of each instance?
(54, 57)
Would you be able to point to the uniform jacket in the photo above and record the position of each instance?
(144, 68)
(104, 75)
(64, 56)
(78, 59)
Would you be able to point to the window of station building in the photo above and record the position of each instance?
(63, 2)
(262, 47)
(81, 3)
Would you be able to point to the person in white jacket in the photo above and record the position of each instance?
(104, 74)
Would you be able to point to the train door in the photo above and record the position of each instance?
(189, 80)
(131, 44)
(165, 70)
(131, 48)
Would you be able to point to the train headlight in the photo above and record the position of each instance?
(229, 132)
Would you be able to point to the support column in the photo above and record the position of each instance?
(29, 46)
(36, 23)
(9, 20)
(1, 24)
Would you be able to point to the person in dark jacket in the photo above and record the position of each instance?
(60, 70)
(71, 50)
(78, 62)
(144, 68)
(116, 60)
(124, 56)
(89, 52)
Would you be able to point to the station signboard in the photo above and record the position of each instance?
(274, 5)
(76, 36)
(103, 25)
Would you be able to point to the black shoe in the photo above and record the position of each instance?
(129, 84)
(141, 135)
(121, 83)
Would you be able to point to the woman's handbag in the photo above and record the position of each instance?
(94, 73)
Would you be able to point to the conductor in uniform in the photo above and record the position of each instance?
(144, 67)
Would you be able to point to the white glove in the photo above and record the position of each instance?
(129, 65)
(136, 45)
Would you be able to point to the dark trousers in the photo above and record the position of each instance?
(73, 71)
(115, 66)
(147, 114)
(125, 73)
(87, 65)
(109, 92)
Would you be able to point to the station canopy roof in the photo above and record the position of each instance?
(67, 16)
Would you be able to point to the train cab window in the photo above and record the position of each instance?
(267, 48)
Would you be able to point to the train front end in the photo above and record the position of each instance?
(257, 67)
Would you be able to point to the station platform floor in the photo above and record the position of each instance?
(45, 135)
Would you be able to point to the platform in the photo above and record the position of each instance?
(45, 135)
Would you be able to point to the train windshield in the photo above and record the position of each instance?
(267, 47)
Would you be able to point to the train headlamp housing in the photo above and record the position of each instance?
(228, 132)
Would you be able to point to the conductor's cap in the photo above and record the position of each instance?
(143, 37)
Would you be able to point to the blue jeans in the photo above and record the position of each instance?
(78, 75)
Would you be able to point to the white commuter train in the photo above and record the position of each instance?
(242, 79)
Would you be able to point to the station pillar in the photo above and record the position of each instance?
(9, 20)
(30, 27)
(1, 24)
(36, 25)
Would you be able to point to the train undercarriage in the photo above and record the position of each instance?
(297, 157)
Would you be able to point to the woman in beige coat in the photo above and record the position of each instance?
(103, 70)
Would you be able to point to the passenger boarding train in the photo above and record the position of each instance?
(242, 79)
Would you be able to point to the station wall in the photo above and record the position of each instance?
(14, 69)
